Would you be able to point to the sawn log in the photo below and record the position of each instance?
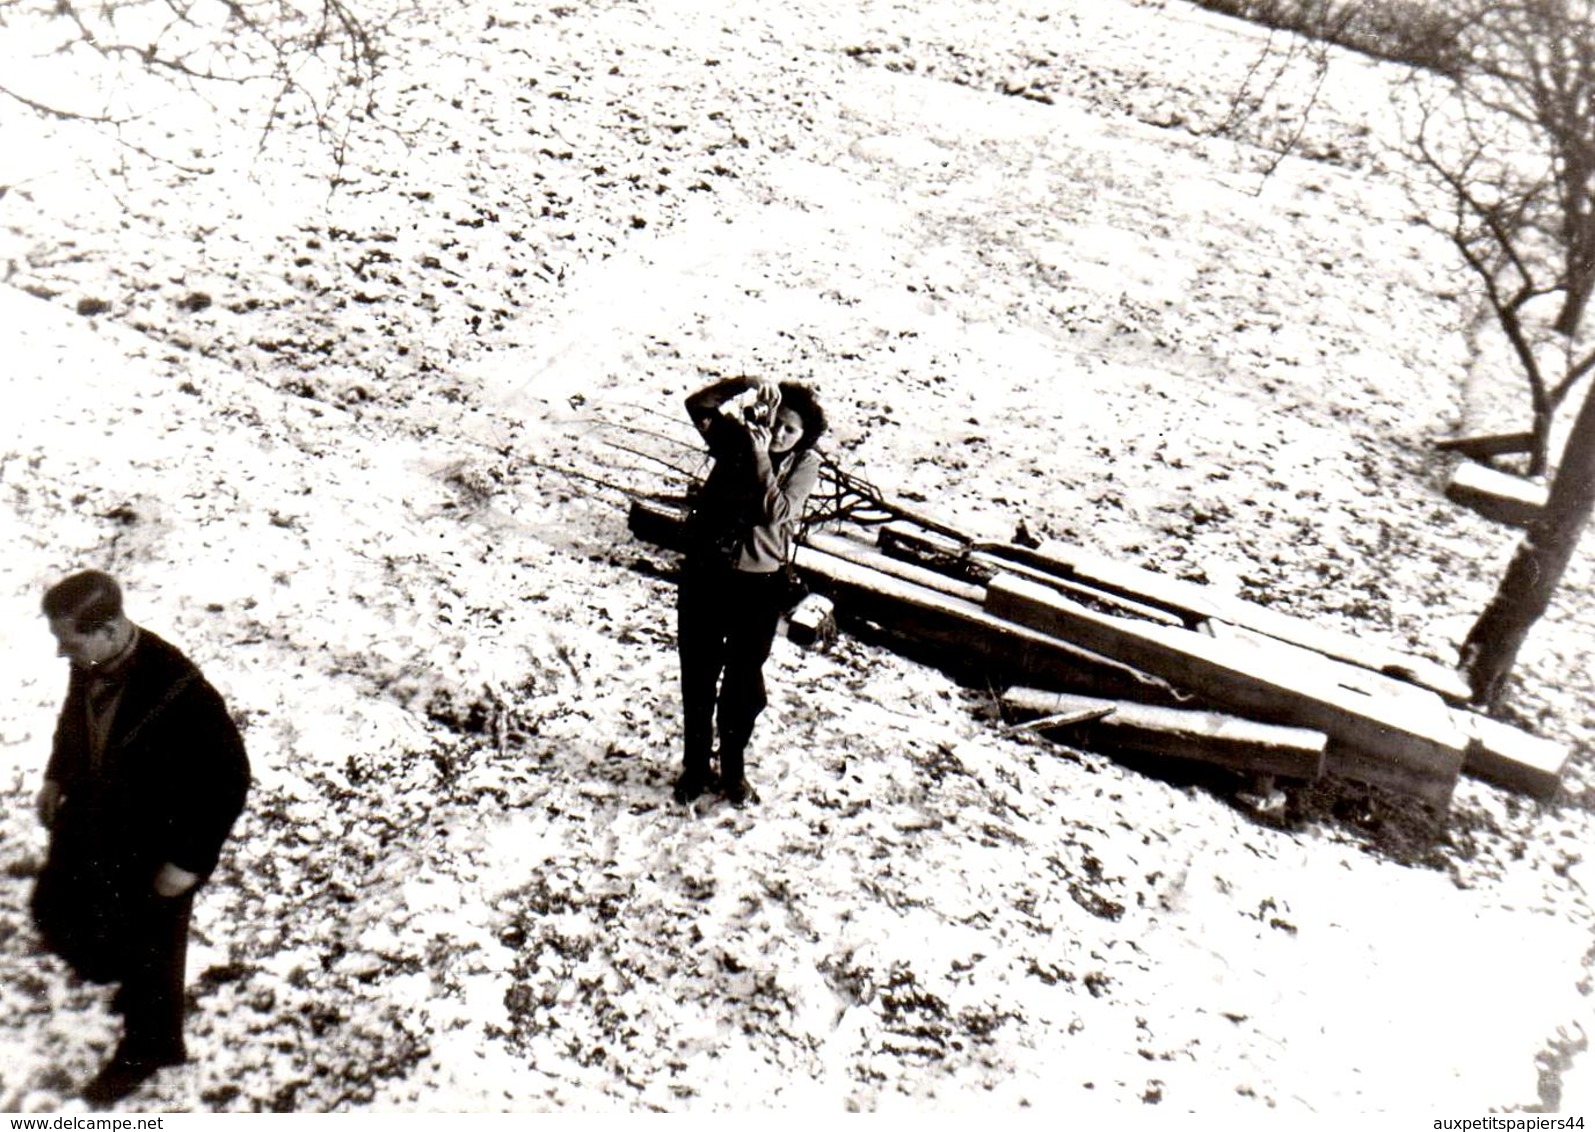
(1498, 496)
(1180, 733)
(1195, 603)
(962, 634)
(1408, 743)
(1509, 757)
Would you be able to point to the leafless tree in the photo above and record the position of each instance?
(1285, 51)
(1501, 129)
(1536, 568)
(1507, 135)
(115, 64)
(1509, 138)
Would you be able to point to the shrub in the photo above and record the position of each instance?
(1415, 32)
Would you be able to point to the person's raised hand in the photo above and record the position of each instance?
(758, 435)
(769, 400)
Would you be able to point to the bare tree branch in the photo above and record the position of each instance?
(1505, 141)
(315, 57)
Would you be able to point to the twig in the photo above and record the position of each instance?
(1062, 719)
(599, 422)
(641, 455)
(628, 492)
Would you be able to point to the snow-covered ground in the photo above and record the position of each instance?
(358, 452)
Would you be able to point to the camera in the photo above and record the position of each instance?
(751, 408)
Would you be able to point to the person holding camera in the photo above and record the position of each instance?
(761, 436)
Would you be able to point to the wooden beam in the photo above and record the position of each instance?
(933, 552)
(930, 623)
(1193, 603)
(1407, 743)
(1180, 733)
(1117, 604)
(1513, 758)
(1483, 447)
(961, 634)
(865, 555)
(1498, 496)
(1267, 653)
(942, 627)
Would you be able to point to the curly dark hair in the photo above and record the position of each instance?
(803, 401)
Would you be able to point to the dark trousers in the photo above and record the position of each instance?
(725, 625)
(151, 995)
(111, 927)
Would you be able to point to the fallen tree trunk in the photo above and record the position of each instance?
(1179, 733)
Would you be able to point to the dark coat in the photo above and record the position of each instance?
(169, 785)
(735, 521)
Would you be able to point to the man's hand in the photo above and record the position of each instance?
(48, 803)
(173, 881)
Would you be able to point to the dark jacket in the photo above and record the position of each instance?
(167, 788)
(737, 520)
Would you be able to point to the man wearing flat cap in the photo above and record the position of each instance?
(146, 777)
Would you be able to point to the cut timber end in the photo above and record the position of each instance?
(1179, 733)
(1498, 496)
(1513, 758)
(1483, 447)
(1409, 744)
(658, 523)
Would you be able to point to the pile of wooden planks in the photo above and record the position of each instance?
(1122, 658)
